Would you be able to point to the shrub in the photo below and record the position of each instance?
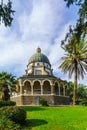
(7, 103)
(14, 113)
(6, 124)
(84, 103)
(43, 102)
(78, 102)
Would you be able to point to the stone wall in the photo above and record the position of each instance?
(61, 100)
(34, 100)
(18, 100)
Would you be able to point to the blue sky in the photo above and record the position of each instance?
(42, 23)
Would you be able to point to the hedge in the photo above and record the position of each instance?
(7, 103)
(14, 113)
(43, 102)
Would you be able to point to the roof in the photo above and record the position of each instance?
(39, 57)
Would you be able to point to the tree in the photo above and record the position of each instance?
(74, 61)
(70, 89)
(72, 43)
(6, 13)
(7, 83)
(80, 30)
(81, 92)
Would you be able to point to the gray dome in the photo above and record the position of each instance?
(39, 57)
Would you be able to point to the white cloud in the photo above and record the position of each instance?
(42, 23)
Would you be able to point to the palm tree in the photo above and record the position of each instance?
(6, 12)
(74, 62)
(8, 83)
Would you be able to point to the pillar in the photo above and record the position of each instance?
(32, 90)
(41, 89)
(59, 90)
(64, 90)
(52, 89)
(21, 89)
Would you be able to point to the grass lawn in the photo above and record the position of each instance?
(57, 118)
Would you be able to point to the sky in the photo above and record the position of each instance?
(37, 23)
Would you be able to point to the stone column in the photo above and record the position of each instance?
(21, 89)
(21, 95)
(21, 86)
(59, 90)
(64, 90)
(32, 90)
(41, 89)
(52, 89)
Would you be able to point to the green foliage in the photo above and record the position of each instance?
(6, 124)
(14, 113)
(80, 29)
(74, 58)
(43, 102)
(7, 103)
(78, 102)
(81, 92)
(70, 2)
(6, 80)
(74, 61)
(83, 103)
(13, 118)
(6, 13)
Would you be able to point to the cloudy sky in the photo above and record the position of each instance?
(37, 23)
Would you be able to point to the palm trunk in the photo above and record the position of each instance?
(75, 84)
(5, 93)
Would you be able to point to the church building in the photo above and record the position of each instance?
(39, 83)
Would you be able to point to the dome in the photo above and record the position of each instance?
(39, 57)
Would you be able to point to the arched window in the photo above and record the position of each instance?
(37, 87)
(46, 87)
(27, 87)
(56, 89)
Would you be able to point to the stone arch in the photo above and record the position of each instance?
(61, 89)
(56, 88)
(46, 87)
(36, 87)
(36, 80)
(27, 87)
(26, 81)
(47, 80)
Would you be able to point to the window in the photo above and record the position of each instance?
(38, 72)
(38, 64)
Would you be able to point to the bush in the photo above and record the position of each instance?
(14, 113)
(78, 102)
(7, 103)
(43, 102)
(6, 124)
(83, 103)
